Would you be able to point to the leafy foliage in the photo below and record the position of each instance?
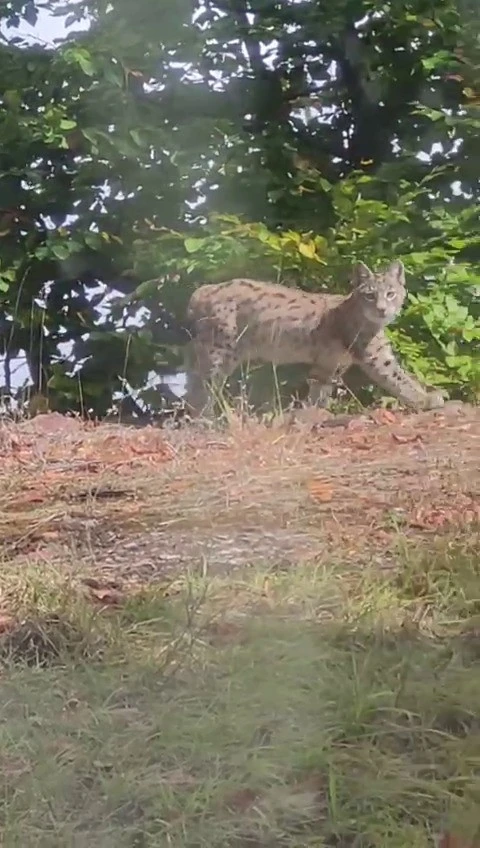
(438, 333)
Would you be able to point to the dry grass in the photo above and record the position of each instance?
(251, 637)
(216, 494)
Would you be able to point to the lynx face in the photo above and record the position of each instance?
(381, 295)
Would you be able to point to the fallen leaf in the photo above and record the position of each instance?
(26, 498)
(241, 800)
(465, 511)
(48, 535)
(403, 440)
(431, 518)
(360, 442)
(147, 451)
(108, 597)
(94, 583)
(6, 623)
(180, 778)
(450, 840)
(320, 490)
(383, 416)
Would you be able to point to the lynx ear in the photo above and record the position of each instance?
(397, 271)
(360, 274)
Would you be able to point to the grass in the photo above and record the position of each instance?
(306, 707)
(176, 670)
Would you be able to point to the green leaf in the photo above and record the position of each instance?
(86, 66)
(136, 137)
(92, 240)
(191, 245)
(307, 249)
(324, 184)
(437, 60)
(471, 334)
(67, 124)
(433, 114)
(61, 251)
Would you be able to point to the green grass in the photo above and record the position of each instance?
(325, 707)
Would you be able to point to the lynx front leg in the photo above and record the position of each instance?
(379, 363)
(207, 371)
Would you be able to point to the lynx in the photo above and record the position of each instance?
(248, 320)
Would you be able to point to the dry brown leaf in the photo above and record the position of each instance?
(320, 490)
(108, 597)
(48, 535)
(383, 416)
(241, 800)
(465, 511)
(108, 594)
(266, 587)
(450, 840)
(403, 440)
(6, 623)
(27, 499)
(360, 442)
(94, 583)
(431, 518)
(180, 778)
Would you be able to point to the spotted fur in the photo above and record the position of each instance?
(247, 320)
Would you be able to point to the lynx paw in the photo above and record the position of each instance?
(434, 399)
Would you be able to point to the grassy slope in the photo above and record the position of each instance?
(313, 704)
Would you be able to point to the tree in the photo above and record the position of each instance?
(120, 143)
(326, 138)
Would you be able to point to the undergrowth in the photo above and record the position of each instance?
(319, 706)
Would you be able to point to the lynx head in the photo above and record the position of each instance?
(380, 295)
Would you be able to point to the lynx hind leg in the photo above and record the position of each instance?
(380, 365)
(207, 370)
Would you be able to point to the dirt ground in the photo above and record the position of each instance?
(241, 636)
(146, 504)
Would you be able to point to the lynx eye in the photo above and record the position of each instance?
(370, 294)
(391, 295)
